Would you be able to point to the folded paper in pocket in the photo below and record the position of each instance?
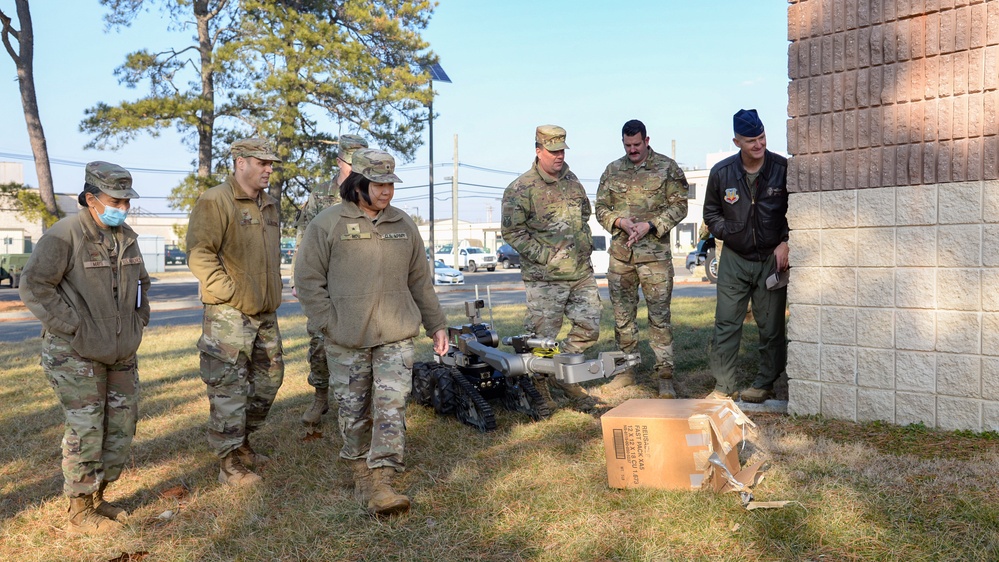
(778, 280)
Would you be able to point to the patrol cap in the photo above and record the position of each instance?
(255, 147)
(376, 165)
(746, 123)
(551, 137)
(348, 144)
(111, 179)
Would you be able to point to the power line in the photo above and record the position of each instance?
(484, 169)
(80, 164)
(77, 164)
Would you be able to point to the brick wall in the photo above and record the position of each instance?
(894, 300)
(892, 92)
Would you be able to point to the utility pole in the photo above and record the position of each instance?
(454, 203)
(436, 73)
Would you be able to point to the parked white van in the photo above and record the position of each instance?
(601, 243)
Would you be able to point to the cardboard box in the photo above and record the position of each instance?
(675, 444)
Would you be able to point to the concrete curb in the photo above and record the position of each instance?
(769, 406)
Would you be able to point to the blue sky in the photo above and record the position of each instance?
(681, 66)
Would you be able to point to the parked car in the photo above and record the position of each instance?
(287, 251)
(705, 255)
(444, 275)
(174, 255)
(507, 257)
(469, 258)
(11, 266)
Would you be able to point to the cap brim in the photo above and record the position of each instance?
(385, 178)
(265, 156)
(557, 146)
(122, 193)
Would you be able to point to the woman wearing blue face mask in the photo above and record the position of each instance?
(86, 282)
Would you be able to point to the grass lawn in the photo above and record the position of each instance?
(528, 491)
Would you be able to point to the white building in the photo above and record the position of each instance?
(18, 235)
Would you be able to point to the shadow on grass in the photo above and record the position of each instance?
(528, 491)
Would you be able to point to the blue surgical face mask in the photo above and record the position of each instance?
(112, 216)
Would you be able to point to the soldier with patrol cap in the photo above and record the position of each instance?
(234, 249)
(367, 287)
(323, 196)
(545, 214)
(641, 197)
(86, 282)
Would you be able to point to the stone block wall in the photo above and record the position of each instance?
(894, 137)
(894, 304)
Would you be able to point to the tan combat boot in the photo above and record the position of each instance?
(362, 480)
(384, 500)
(665, 376)
(234, 473)
(84, 520)
(107, 509)
(250, 458)
(621, 380)
(581, 400)
(320, 405)
(756, 395)
(719, 395)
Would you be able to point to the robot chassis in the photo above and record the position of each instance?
(473, 371)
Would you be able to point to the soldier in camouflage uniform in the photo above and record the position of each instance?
(641, 197)
(234, 249)
(87, 284)
(324, 195)
(367, 287)
(545, 212)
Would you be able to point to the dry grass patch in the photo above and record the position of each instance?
(528, 491)
(12, 306)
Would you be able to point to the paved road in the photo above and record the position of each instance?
(175, 299)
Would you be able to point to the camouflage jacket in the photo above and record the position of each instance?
(234, 249)
(68, 284)
(366, 283)
(544, 218)
(323, 196)
(654, 192)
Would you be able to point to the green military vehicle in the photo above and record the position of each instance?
(11, 266)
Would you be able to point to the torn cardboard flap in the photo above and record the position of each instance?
(675, 444)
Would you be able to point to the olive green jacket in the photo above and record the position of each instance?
(365, 282)
(67, 283)
(234, 249)
(544, 218)
(653, 192)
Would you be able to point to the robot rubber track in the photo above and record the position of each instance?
(473, 372)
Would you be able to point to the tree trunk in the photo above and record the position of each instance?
(206, 120)
(24, 62)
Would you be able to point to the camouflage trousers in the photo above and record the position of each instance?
(319, 373)
(101, 404)
(579, 301)
(656, 280)
(242, 364)
(371, 387)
